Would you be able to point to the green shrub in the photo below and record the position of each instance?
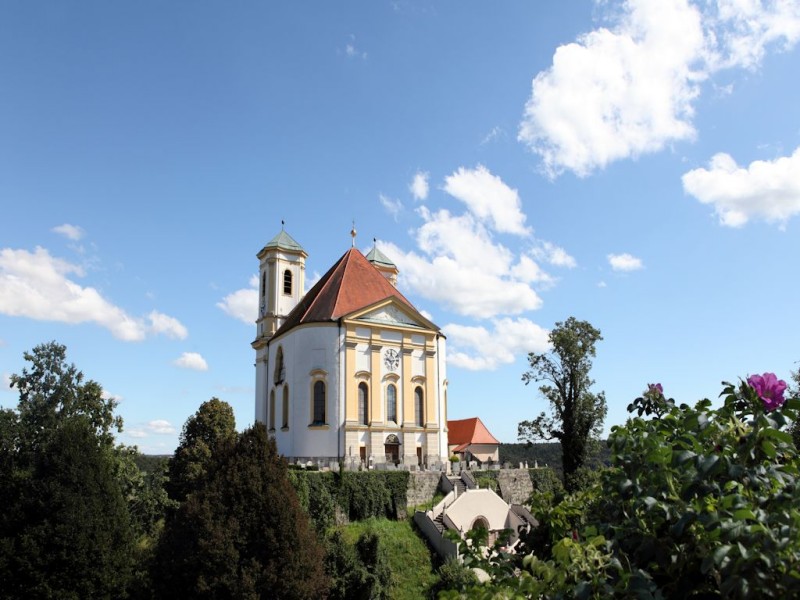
(698, 502)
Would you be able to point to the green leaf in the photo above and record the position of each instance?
(743, 514)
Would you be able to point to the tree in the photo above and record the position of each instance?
(210, 428)
(242, 532)
(794, 390)
(576, 413)
(64, 527)
(65, 531)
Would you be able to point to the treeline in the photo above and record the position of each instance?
(548, 454)
(83, 517)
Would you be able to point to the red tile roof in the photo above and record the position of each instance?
(351, 284)
(468, 431)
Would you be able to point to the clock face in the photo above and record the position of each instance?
(391, 359)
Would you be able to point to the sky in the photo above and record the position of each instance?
(633, 164)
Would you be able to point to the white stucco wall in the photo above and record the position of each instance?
(478, 503)
(308, 350)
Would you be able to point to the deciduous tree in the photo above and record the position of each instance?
(576, 414)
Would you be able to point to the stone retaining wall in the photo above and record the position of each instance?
(422, 486)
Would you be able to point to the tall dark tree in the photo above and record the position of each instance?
(576, 414)
(210, 428)
(241, 534)
(64, 526)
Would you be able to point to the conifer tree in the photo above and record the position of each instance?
(243, 533)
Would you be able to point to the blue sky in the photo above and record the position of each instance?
(636, 165)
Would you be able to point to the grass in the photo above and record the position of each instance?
(413, 570)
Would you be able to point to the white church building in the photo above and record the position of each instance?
(349, 371)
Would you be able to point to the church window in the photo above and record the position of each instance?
(319, 403)
(363, 399)
(280, 368)
(391, 403)
(419, 407)
(285, 412)
(263, 285)
(287, 282)
(271, 423)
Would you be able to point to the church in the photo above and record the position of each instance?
(349, 372)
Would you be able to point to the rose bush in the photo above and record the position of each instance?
(699, 501)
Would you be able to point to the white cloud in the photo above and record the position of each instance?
(161, 427)
(191, 360)
(71, 232)
(529, 271)
(461, 267)
(393, 207)
(628, 90)
(6, 382)
(351, 51)
(494, 134)
(488, 198)
(242, 304)
(169, 326)
(419, 185)
(478, 349)
(601, 284)
(744, 28)
(555, 255)
(106, 395)
(625, 262)
(155, 427)
(769, 190)
(38, 286)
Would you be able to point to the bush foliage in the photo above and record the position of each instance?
(699, 501)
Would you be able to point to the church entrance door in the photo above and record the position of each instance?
(392, 449)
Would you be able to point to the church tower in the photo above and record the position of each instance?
(282, 268)
(381, 262)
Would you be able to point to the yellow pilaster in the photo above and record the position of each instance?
(408, 388)
(430, 383)
(375, 412)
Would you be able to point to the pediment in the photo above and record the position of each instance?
(394, 313)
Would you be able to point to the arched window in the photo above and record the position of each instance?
(319, 403)
(363, 399)
(280, 369)
(271, 424)
(419, 407)
(285, 413)
(263, 285)
(287, 282)
(391, 403)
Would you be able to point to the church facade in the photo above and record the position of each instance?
(349, 371)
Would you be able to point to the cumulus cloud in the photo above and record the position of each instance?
(625, 262)
(768, 190)
(419, 185)
(155, 427)
(628, 89)
(191, 360)
(488, 198)
(166, 325)
(555, 255)
(461, 267)
(161, 427)
(71, 232)
(479, 349)
(242, 304)
(393, 207)
(39, 286)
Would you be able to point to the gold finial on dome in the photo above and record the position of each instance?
(353, 233)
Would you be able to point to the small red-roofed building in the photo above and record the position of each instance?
(350, 371)
(471, 440)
